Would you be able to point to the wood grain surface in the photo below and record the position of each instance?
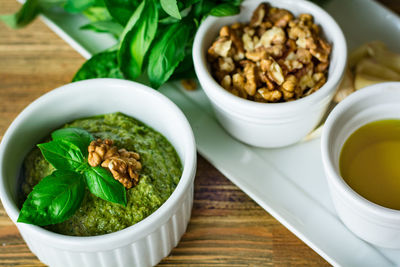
(227, 228)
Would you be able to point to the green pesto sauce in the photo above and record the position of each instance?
(159, 176)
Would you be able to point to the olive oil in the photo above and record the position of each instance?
(370, 162)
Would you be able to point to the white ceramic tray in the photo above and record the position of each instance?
(289, 183)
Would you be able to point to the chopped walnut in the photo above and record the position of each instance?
(251, 78)
(290, 83)
(226, 82)
(238, 80)
(292, 62)
(220, 48)
(247, 42)
(276, 57)
(259, 14)
(226, 64)
(257, 54)
(275, 35)
(271, 96)
(280, 17)
(275, 72)
(124, 165)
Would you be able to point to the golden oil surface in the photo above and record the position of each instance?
(370, 162)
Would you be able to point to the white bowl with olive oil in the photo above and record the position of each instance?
(361, 165)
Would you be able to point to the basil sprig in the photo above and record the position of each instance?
(57, 196)
(155, 37)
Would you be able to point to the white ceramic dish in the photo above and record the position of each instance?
(371, 222)
(143, 244)
(273, 124)
(297, 195)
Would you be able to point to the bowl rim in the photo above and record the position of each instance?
(131, 233)
(217, 92)
(331, 173)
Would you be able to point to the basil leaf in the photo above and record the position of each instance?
(171, 7)
(187, 3)
(107, 26)
(102, 65)
(167, 52)
(76, 6)
(101, 183)
(202, 8)
(54, 199)
(121, 10)
(185, 68)
(27, 13)
(136, 39)
(97, 13)
(223, 10)
(234, 2)
(76, 136)
(62, 154)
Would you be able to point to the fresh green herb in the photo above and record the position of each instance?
(63, 155)
(97, 13)
(28, 12)
(121, 10)
(167, 52)
(185, 69)
(202, 9)
(103, 185)
(225, 9)
(76, 6)
(102, 65)
(147, 44)
(56, 197)
(171, 8)
(109, 26)
(76, 136)
(139, 33)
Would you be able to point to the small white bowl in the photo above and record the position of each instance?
(269, 124)
(143, 244)
(371, 222)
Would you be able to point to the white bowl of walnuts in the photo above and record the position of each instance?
(271, 71)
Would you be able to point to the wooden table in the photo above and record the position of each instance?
(227, 228)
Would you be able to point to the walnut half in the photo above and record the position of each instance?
(124, 165)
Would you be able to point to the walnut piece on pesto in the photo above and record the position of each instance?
(123, 164)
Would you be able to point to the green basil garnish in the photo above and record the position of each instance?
(56, 197)
(102, 65)
(62, 154)
(140, 26)
(109, 26)
(75, 6)
(102, 184)
(137, 38)
(171, 8)
(76, 136)
(167, 52)
(225, 9)
(121, 10)
(28, 12)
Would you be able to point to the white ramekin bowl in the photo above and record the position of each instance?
(143, 244)
(371, 222)
(269, 124)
